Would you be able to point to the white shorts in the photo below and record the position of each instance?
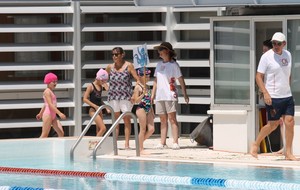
(121, 105)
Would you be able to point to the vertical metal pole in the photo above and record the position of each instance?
(252, 115)
(136, 134)
(115, 143)
(77, 68)
(170, 37)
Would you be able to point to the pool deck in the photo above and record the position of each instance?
(191, 152)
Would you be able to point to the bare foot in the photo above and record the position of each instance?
(291, 157)
(143, 152)
(279, 151)
(253, 150)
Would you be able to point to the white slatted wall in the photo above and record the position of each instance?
(181, 26)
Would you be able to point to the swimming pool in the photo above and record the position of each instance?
(129, 174)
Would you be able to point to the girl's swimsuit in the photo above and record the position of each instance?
(48, 110)
(96, 96)
(146, 101)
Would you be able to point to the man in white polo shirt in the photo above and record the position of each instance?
(273, 79)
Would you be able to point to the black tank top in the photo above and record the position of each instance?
(96, 96)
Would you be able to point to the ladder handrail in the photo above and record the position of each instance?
(137, 145)
(88, 127)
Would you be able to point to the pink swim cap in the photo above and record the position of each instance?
(50, 77)
(102, 75)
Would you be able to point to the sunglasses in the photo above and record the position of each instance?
(115, 54)
(277, 43)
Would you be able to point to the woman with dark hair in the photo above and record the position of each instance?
(267, 45)
(165, 92)
(120, 88)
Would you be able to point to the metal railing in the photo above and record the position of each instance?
(88, 127)
(112, 129)
(35, 2)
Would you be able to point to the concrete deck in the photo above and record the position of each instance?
(190, 152)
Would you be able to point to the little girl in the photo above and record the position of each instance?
(144, 111)
(93, 97)
(49, 110)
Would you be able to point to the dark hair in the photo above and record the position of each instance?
(119, 49)
(173, 55)
(268, 43)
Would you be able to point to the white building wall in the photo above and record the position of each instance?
(183, 27)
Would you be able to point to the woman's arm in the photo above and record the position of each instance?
(183, 88)
(133, 72)
(108, 68)
(153, 90)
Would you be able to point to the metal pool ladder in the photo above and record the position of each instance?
(88, 127)
(111, 130)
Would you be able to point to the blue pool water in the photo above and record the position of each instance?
(284, 175)
(53, 154)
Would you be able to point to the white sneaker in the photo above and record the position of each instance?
(175, 146)
(160, 146)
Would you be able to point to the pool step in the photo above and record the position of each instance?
(55, 148)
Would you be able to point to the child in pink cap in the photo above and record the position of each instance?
(49, 110)
(93, 97)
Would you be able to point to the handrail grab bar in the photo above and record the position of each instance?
(112, 129)
(88, 127)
